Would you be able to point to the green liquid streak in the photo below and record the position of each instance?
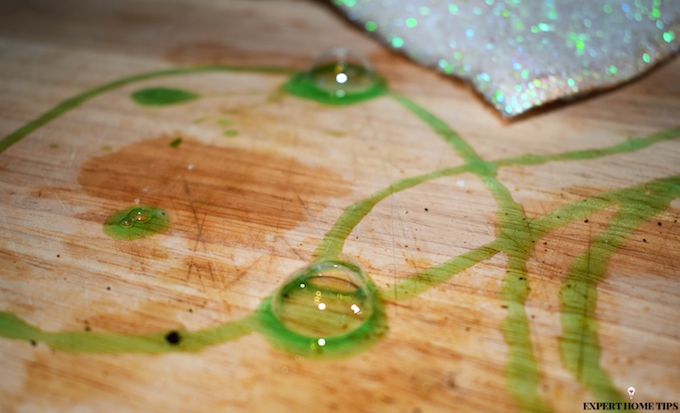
(13, 327)
(72, 103)
(176, 143)
(136, 222)
(579, 344)
(230, 133)
(162, 96)
(306, 85)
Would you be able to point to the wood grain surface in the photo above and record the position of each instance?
(248, 210)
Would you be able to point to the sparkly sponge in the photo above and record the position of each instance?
(520, 54)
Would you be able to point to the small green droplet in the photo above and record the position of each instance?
(230, 133)
(136, 222)
(175, 143)
(161, 96)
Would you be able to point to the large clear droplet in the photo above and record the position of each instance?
(328, 298)
(342, 72)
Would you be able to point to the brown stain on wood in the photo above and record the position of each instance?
(216, 194)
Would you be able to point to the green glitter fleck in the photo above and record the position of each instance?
(613, 69)
(552, 14)
(162, 96)
(668, 36)
(424, 11)
(607, 9)
(397, 42)
(571, 82)
(371, 26)
(525, 74)
(410, 22)
(453, 8)
(646, 58)
(136, 222)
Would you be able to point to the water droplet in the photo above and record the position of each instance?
(326, 299)
(342, 69)
(338, 76)
(140, 214)
(126, 222)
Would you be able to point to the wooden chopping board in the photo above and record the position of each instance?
(508, 283)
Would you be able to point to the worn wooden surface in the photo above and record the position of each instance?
(255, 206)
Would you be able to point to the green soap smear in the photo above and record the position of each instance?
(91, 342)
(320, 84)
(162, 96)
(136, 222)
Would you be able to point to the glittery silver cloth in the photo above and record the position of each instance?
(520, 54)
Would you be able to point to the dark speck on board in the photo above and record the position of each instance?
(173, 338)
(426, 209)
(34, 343)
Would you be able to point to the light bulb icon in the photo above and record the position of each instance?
(631, 391)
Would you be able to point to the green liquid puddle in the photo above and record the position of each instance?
(136, 222)
(291, 320)
(162, 96)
